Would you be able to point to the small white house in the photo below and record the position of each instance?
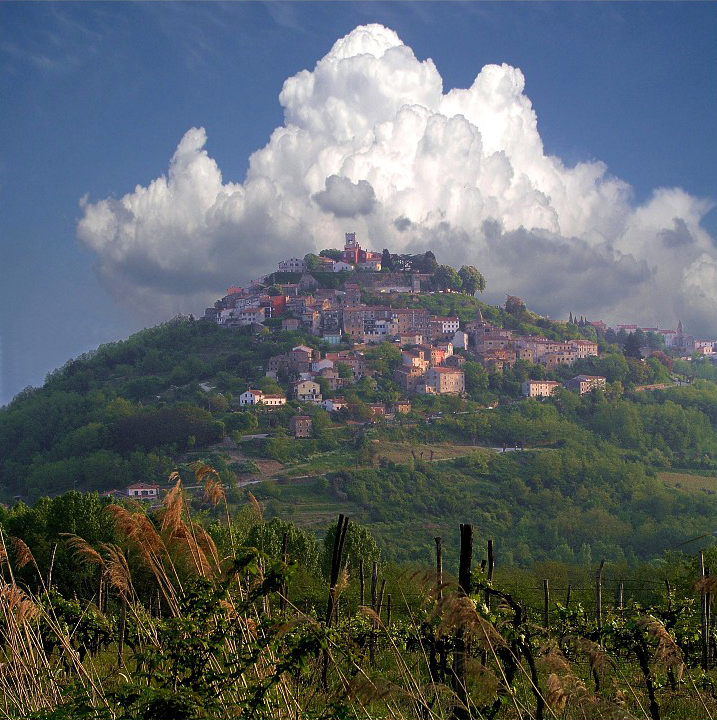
(333, 404)
(143, 491)
(256, 397)
(460, 340)
(292, 265)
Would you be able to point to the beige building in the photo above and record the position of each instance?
(553, 359)
(408, 377)
(445, 380)
(585, 383)
(539, 388)
(584, 348)
(307, 391)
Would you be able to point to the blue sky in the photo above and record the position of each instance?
(95, 98)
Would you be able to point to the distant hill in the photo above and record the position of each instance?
(137, 409)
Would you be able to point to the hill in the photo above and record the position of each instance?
(585, 482)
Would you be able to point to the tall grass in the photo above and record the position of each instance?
(175, 629)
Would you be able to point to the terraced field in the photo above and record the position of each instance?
(689, 482)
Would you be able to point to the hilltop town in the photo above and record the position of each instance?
(354, 298)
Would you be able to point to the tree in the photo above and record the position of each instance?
(472, 280)
(345, 371)
(384, 358)
(631, 348)
(428, 263)
(268, 537)
(655, 341)
(514, 306)
(357, 409)
(386, 260)
(446, 278)
(312, 262)
(476, 379)
(332, 253)
(359, 545)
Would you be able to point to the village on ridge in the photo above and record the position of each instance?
(429, 363)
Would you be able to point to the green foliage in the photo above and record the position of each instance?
(515, 306)
(446, 278)
(476, 380)
(332, 253)
(312, 262)
(359, 545)
(301, 547)
(43, 528)
(471, 280)
(224, 641)
(384, 358)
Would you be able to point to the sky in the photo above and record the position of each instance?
(153, 154)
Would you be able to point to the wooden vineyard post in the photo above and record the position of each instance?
(709, 623)
(374, 584)
(361, 583)
(374, 607)
(460, 678)
(285, 559)
(339, 540)
(490, 564)
(598, 596)
(489, 575)
(567, 597)
(466, 558)
(439, 568)
(621, 601)
(546, 604)
(380, 598)
(703, 615)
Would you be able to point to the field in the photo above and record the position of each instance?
(689, 482)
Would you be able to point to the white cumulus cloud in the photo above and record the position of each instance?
(371, 143)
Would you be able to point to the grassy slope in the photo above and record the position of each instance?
(689, 482)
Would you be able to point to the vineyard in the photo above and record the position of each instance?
(187, 623)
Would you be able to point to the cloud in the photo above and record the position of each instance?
(345, 199)
(371, 143)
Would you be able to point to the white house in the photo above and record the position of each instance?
(460, 340)
(256, 397)
(341, 266)
(585, 383)
(292, 265)
(333, 404)
(584, 348)
(670, 336)
(143, 491)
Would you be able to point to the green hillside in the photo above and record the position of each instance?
(585, 483)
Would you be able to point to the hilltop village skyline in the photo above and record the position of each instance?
(323, 310)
